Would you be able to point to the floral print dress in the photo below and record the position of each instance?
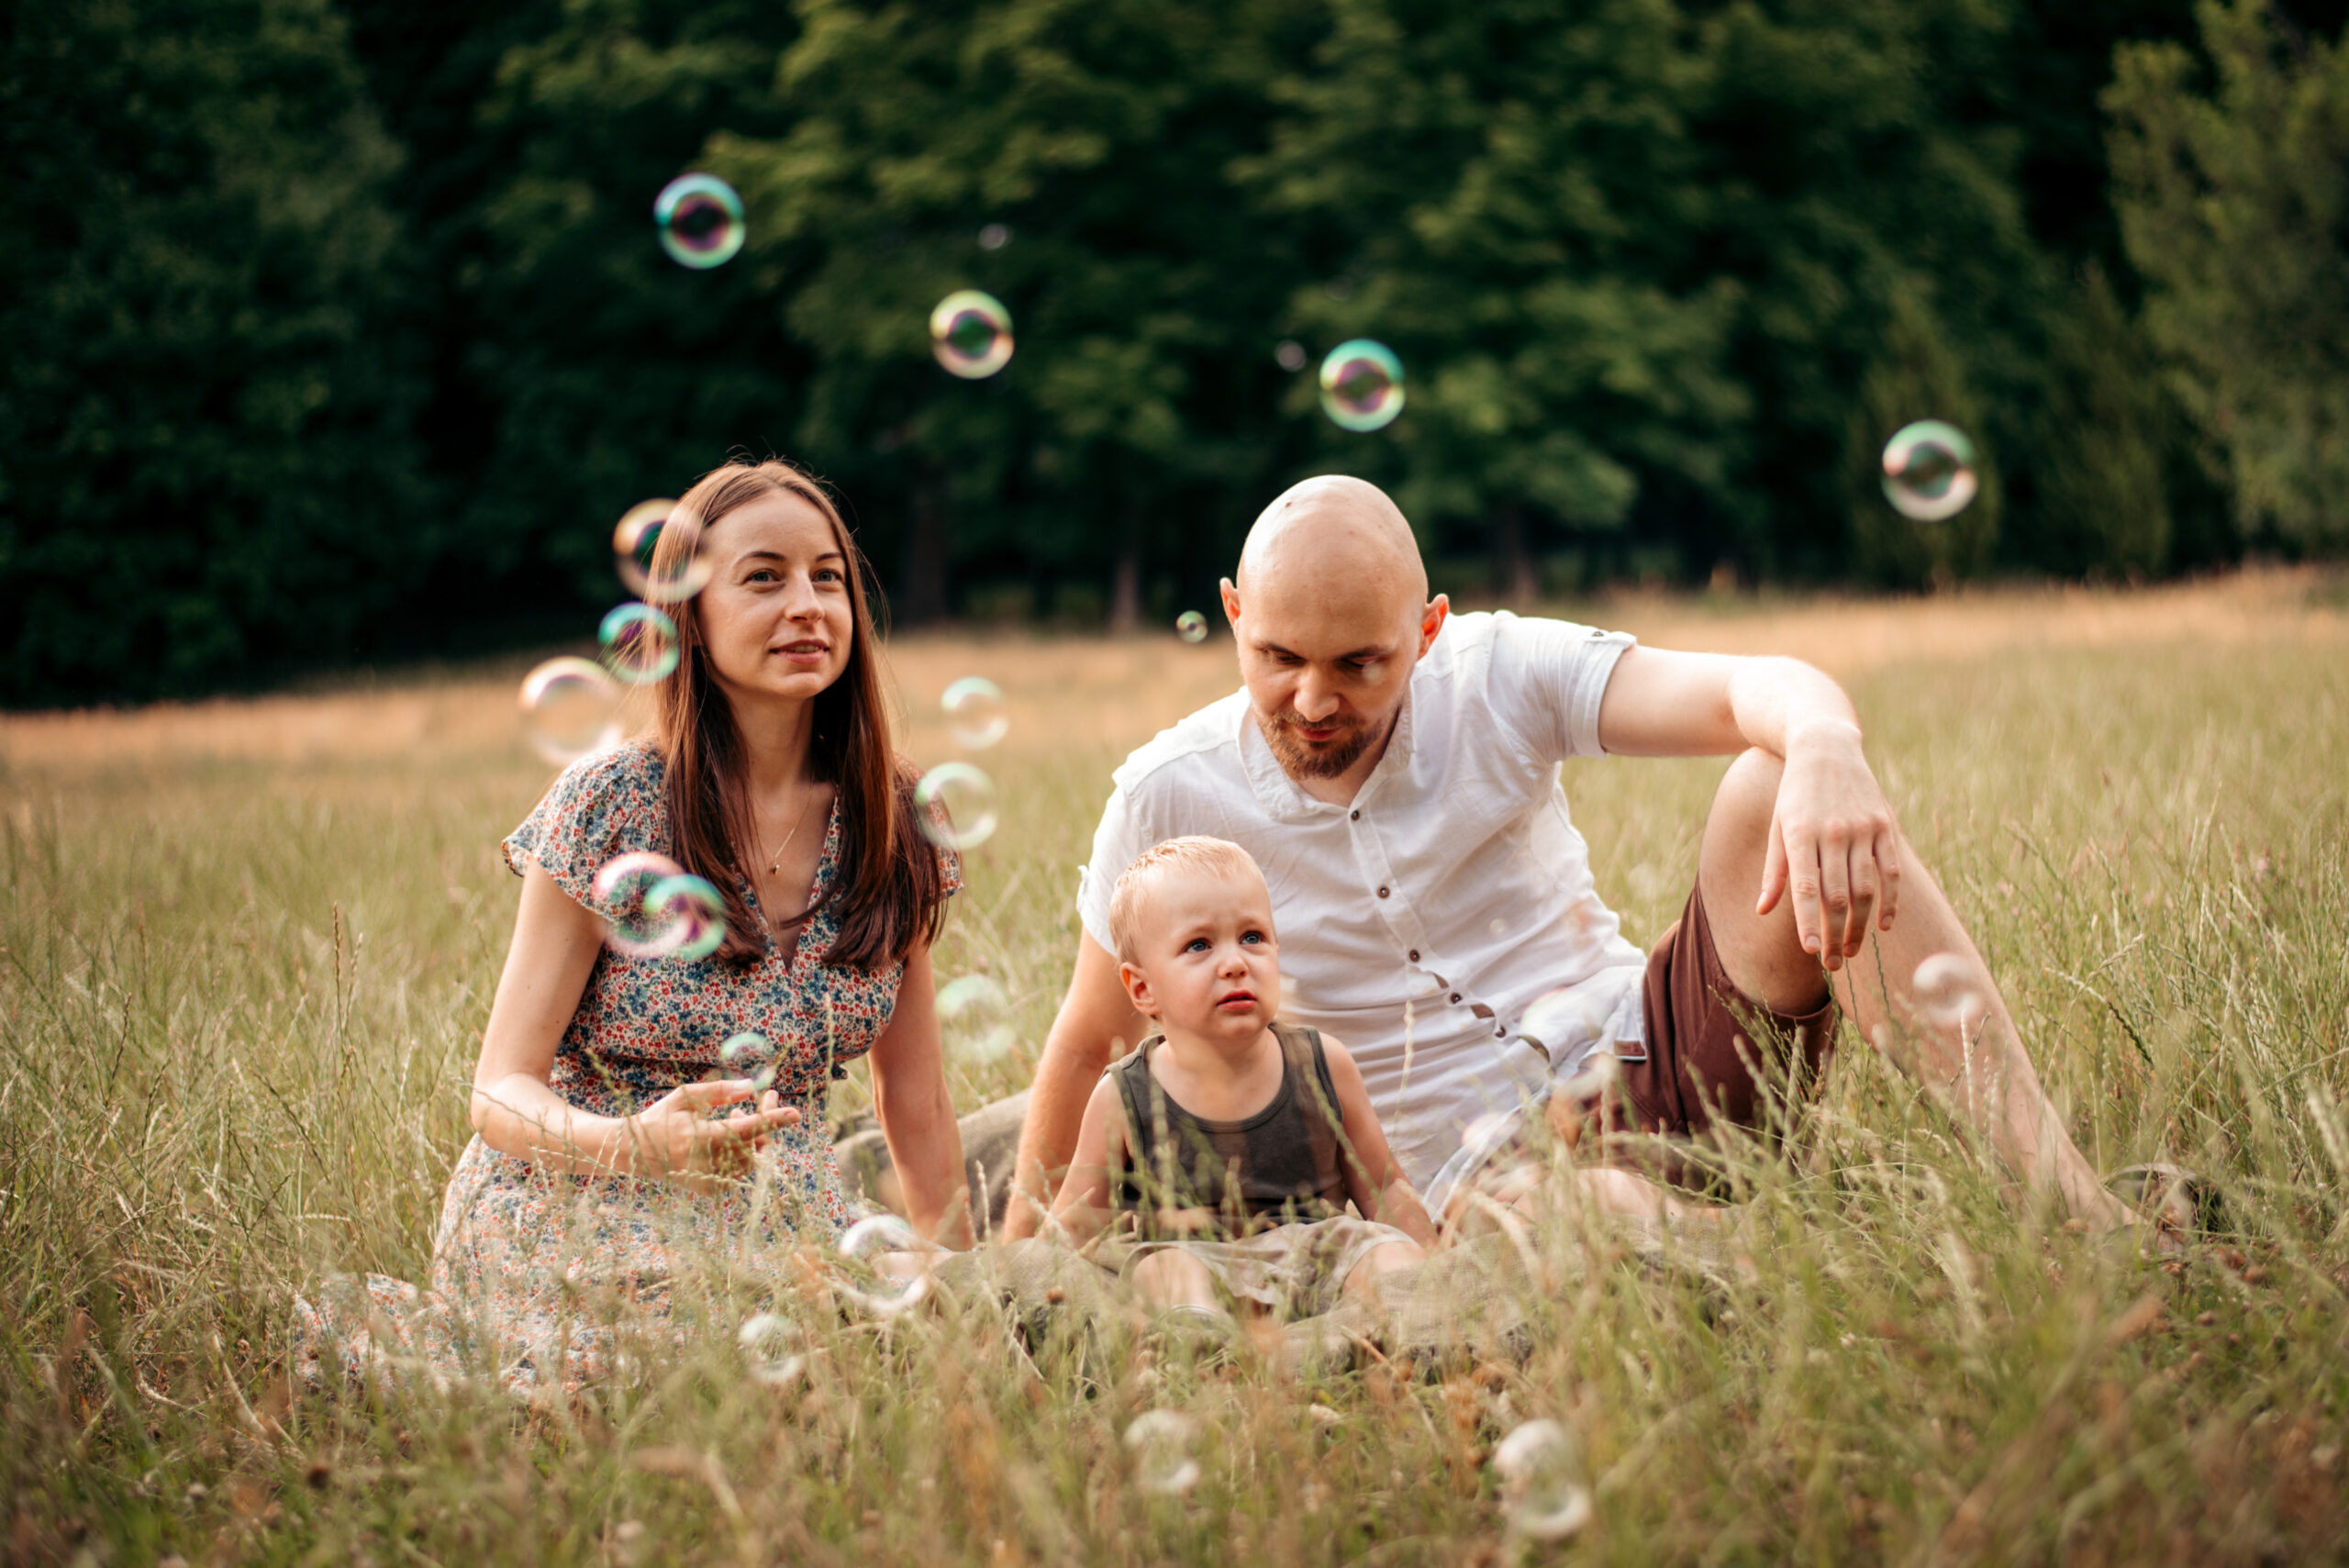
(530, 1265)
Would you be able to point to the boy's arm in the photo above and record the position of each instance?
(1084, 1204)
(1374, 1178)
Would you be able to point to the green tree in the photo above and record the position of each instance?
(1506, 195)
(206, 466)
(1645, 261)
(1136, 415)
(2233, 205)
(1863, 160)
(608, 372)
(1916, 369)
(2109, 443)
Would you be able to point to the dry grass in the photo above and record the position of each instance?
(246, 948)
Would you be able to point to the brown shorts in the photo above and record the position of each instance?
(1713, 1054)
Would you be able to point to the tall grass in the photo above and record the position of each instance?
(239, 1002)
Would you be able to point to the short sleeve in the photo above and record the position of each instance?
(1550, 677)
(1116, 842)
(603, 806)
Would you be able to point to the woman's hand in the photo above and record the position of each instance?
(675, 1138)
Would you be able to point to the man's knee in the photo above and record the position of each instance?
(1746, 801)
(1172, 1277)
(1762, 953)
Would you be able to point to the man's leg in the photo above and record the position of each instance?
(1384, 1259)
(1977, 1060)
(1173, 1278)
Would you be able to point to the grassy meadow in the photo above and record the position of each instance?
(246, 949)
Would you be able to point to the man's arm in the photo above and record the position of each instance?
(1096, 1022)
(1085, 1203)
(1374, 1177)
(1832, 843)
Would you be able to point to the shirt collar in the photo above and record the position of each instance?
(1279, 794)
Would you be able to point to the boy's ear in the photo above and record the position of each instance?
(1137, 987)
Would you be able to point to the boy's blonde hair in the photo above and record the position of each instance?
(1195, 852)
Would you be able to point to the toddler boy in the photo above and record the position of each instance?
(1227, 1145)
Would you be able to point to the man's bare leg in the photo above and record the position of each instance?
(1383, 1258)
(1174, 1278)
(1977, 1060)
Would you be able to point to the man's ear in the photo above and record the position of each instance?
(1432, 620)
(1230, 601)
(1137, 987)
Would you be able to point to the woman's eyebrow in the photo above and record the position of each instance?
(778, 555)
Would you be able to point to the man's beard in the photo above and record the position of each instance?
(1303, 759)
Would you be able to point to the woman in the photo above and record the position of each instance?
(599, 1174)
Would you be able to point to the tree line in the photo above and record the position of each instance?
(339, 331)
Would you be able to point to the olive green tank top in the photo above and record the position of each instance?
(1278, 1164)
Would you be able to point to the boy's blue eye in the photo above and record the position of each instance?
(1197, 944)
(1257, 936)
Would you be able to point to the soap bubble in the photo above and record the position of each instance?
(682, 570)
(975, 1011)
(1947, 991)
(1290, 355)
(700, 220)
(1362, 385)
(1191, 627)
(743, 1047)
(955, 805)
(619, 889)
(875, 1234)
(975, 714)
(970, 333)
(1542, 1495)
(640, 643)
(774, 1348)
(1160, 1442)
(994, 236)
(653, 908)
(691, 912)
(1929, 470)
(869, 1243)
(572, 708)
(1497, 925)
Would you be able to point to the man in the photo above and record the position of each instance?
(1394, 771)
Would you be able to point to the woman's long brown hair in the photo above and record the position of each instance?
(890, 894)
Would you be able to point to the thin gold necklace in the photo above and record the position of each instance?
(774, 866)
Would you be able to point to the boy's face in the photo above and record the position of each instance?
(1205, 960)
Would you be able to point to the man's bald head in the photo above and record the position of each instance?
(1335, 534)
(1330, 613)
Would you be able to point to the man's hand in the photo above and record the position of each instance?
(1833, 844)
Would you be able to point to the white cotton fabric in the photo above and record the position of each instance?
(1463, 823)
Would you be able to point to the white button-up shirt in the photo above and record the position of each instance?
(1418, 923)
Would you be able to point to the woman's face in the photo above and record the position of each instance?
(775, 618)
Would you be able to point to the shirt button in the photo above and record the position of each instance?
(1455, 996)
(1415, 955)
(1354, 816)
(1382, 893)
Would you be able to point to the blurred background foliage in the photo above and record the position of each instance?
(336, 329)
